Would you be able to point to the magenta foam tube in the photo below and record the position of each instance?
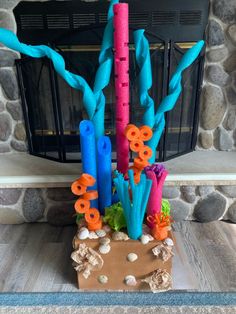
(121, 40)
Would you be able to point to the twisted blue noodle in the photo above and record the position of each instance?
(103, 73)
(142, 53)
(157, 122)
(10, 40)
(175, 89)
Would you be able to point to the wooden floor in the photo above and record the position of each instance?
(36, 257)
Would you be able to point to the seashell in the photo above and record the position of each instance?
(92, 235)
(104, 241)
(131, 257)
(130, 280)
(83, 233)
(107, 228)
(150, 237)
(119, 236)
(104, 248)
(159, 281)
(100, 233)
(102, 279)
(163, 251)
(169, 242)
(144, 239)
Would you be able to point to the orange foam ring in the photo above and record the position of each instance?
(145, 133)
(90, 195)
(77, 188)
(92, 216)
(81, 206)
(136, 145)
(95, 226)
(145, 153)
(87, 180)
(132, 132)
(140, 163)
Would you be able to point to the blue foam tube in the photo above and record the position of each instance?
(104, 173)
(88, 152)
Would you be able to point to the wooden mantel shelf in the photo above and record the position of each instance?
(196, 168)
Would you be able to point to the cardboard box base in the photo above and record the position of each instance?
(116, 266)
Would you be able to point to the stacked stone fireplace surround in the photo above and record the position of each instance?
(217, 131)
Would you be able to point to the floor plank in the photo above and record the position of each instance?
(36, 257)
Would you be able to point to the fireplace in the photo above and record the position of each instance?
(52, 110)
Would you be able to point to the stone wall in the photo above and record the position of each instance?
(217, 130)
(56, 205)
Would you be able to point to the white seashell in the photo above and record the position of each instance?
(144, 239)
(130, 280)
(150, 237)
(104, 248)
(131, 257)
(119, 236)
(92, 235)
(107, 228)
(104, 241)
(102, 279)
(100, 233)
(169, 242)
(83, 233)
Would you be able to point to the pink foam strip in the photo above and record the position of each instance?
(121, 39)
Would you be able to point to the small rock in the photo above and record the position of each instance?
(217, 75)
(83, 233)
(9, 196)
(229, 190)
(106, 228)
(104, 248)
(179, 210)
(10, 216)
(230, 63)
(19, 132)
(231, 95)
(9, 83)
(19, 146)
(232, 33)
(5, 126)
(230, 120)
(206, 140)
(14, 108)
(211, 208)
(92, 235)
(223, 140)
(216, 55)
(104, 241)
(232, 212)
(102, 279)
(215, 33)
(188, 193)
(100, 233)
(144, 239)
(33, 205)
(213, 107)
(130, 281)
(204, 190)
(119, 236)
(169, 242)
(132, 257)
(170, 192)
(224, 10)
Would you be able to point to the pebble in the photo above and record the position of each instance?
(104, 248)
(102, 279)
(104, 241)
(144, 239)
(83, 233)
(107, 228)
(92, 235)
(119, 236)
(130, 280)
(131, 257)
(100, 233)
(169, 242)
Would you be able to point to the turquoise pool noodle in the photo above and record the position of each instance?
(88, 152)
(170, 100)
(104, 173)
(142, 52)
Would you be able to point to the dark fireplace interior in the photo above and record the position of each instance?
(53, 110)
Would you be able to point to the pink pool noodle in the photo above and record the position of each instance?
(155, 198)
(121, 39)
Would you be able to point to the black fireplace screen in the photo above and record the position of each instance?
(53, 110)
